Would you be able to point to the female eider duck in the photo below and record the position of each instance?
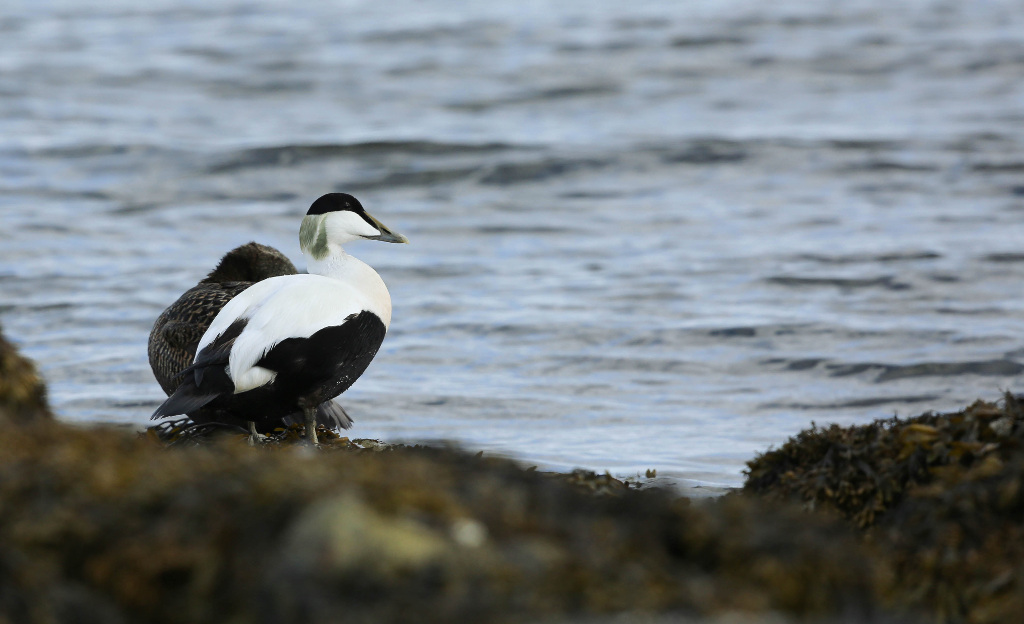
(178, 330)
(293, 342)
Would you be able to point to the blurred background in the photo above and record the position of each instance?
(643, 234)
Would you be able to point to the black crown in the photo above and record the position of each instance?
(335, 202)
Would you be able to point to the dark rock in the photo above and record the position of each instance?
(22, 392)
(863, 471)
(940, 496)
(219, 531)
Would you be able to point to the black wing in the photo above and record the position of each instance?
(209, 378)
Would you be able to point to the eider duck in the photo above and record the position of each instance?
(176, 333)
(178, 330)
(292, 342)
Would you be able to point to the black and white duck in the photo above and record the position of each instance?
(291, 343)
(176, 333)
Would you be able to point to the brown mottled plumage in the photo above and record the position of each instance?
(177, 332)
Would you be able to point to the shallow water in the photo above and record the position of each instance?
(644, 235)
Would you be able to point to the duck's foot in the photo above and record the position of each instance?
(254, 438)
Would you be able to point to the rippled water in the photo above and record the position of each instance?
(644, 235)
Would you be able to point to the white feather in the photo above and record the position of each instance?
(296, 306)
(346, 226)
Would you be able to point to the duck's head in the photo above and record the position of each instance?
(251, 262)
(337, 218)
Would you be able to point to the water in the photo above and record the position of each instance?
(644, 235)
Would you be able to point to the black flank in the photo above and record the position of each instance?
(209, 379)
(310, 372)
(315, 369)
(217, 353)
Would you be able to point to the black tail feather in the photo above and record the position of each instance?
(330, 414)
(185, 400)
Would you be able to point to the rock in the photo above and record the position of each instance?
(344, 535)
(22, 392)
(223, 532)
(940, 496)
(861, 472)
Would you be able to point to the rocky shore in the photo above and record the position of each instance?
(901, 520)
(939, 498)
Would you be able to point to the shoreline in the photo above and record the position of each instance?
(916, 519)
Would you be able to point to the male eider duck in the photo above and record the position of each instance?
(292, 342)
(177, 331)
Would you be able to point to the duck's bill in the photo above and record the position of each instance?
(386, 235)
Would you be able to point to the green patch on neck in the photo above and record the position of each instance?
(313, 236)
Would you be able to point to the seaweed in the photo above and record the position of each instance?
(900, 519)
(22, 391)
(861, 472)
(220, 531)
(940, 497)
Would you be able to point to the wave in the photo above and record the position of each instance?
(293, 154)
(1003, 367)
(846, 283)
(855, 403)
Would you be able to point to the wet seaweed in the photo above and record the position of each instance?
(220, 531)
(957, 545)
(917, 518)
(863, 471)
(940, 497)
(22, 391)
